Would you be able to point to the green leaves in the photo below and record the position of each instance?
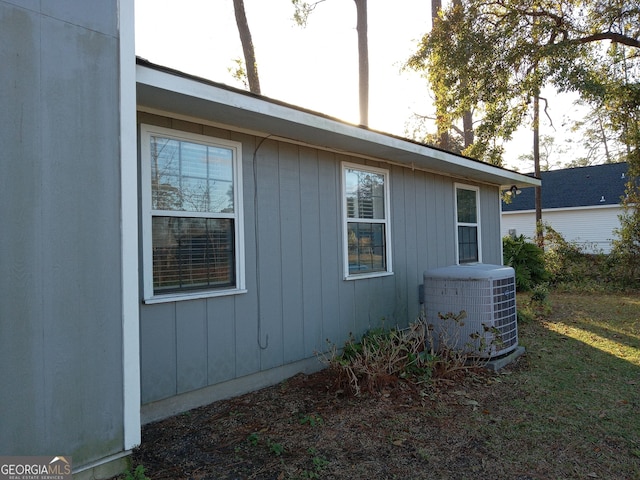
(490, 58)
(527, 259)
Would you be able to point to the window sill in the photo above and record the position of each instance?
(367, 275)
(178, 297)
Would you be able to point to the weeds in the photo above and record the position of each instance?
(137, 474)
(534, 305)
(312, 420)
(419, 354)
(275, 448)
(319, 464)
(253, 439)
(380, 358)
(446, 353)
(451, 354)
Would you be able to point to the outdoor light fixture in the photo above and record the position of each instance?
(514, 190)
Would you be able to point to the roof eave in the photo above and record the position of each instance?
(161, 89)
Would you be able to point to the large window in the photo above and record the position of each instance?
(366, 221)
(468, 224)
(192, 232)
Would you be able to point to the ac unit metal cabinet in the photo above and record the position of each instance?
(487, 293)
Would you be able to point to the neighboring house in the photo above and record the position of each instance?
(169, 241)
(582, 204)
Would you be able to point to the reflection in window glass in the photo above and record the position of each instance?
(467, 220)
(366, 220)
(191, 177)
(193, 232)
(466, 206)
(367, 247)
(365, 194)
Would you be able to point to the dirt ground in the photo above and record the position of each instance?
(306, 427)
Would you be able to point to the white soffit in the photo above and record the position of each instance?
(162, 89)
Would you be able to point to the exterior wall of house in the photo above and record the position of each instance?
(302, 298)
(60, 247)
(591, 228)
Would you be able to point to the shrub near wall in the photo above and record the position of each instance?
(527, 259)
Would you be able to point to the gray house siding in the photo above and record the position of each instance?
(60, 276)
(296, 295)
(491, 237)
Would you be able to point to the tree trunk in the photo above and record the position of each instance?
(443, 133)
(467, 126)
(436, 5)
(467, 117)
(247, 47)
(363, 61)
(536, 166)
(604, 140)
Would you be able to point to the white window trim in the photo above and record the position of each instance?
(345, 221)
(146, 131)
(478, 223)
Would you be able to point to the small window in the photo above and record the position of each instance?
(468, 224)
(192, 235)
(366, 221)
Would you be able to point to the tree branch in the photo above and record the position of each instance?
(614, 37)
(546, 108)
(303, 10)
(457, 129)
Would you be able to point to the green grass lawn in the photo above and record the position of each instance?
(575, 412)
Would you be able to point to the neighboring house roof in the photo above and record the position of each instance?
(161, 88)
(596, 185)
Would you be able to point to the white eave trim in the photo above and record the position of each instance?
(188, 96)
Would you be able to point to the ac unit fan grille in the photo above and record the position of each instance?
(504, 311)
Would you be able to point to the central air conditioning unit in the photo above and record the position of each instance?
(487, 294)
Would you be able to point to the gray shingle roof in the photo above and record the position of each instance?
(575, 187)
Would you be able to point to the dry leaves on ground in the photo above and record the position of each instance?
(307, 428)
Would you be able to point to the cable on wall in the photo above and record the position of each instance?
(257, 247)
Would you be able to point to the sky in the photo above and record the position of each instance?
(314, 67)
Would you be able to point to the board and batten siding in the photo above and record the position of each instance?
(297, 297)
(592, 228)
(61, 327)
